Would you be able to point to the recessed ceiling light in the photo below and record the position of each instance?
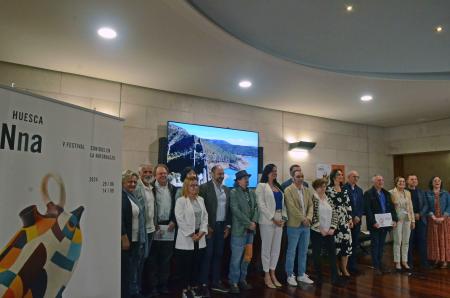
(439, 29)
(107, 33)
(349, 8)
(245, 84)
(366, 97)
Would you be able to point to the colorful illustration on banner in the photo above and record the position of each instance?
(41, 258)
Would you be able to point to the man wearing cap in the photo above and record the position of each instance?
(217, 202)
(244, 215)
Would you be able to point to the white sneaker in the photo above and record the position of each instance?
(304, 274)
(305, 279)
(291, 280)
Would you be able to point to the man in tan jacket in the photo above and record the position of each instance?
(299, 206)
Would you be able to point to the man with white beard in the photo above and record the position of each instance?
(144, 189)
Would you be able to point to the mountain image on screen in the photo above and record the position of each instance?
(188, 150)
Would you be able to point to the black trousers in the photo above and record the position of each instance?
(188, 265)
(158, 263)
(320, 242)
(418, 241)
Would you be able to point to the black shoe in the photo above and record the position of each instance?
(378, 271)
(243, 285)
(154, 293)
(203, 291)
(164, 290)
(138, 296)
(187, 294)
(234, 289)
(219, 288)
(340, 283)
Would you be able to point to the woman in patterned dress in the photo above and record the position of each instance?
(438, 212)
(343, 236)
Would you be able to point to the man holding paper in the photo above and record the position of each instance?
(380, 217)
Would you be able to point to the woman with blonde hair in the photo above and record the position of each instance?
(401, 198)
(134, 236)
(192, 220)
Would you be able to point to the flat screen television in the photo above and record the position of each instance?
(201, 147)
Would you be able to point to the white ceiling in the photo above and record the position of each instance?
(168, 45)
(382, 36)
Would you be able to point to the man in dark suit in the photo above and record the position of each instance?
(378, 201)
(217, 202)
(418, 238)
(357, 201)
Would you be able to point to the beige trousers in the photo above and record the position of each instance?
(401, 235)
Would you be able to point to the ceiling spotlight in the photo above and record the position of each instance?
(245, 84)
(439, 29)
(349, 8)
(366, 97)
(107, 33)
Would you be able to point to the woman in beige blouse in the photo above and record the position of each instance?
(406, 222)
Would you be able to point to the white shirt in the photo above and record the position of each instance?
(221, 202)
(302, 200)
(150, 200)
(164, 202)
(325, 214)
(134, 221)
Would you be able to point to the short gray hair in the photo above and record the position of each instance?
(127, 174)
(375, 176)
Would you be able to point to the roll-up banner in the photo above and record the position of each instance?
(60, 199)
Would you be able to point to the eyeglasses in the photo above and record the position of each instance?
(356, 177)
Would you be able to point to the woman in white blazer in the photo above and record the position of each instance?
(192, 221)
(272, 217)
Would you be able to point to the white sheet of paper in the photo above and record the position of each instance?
(163, 234)
(384, 219)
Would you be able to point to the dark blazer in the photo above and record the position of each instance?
(172, 191)
(208, 193)
(127, 216)
(420, 205)
(357, 200)
(372, 206)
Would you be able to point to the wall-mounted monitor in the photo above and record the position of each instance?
(201, 147)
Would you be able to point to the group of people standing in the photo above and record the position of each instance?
(193, 223)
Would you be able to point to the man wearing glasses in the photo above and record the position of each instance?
(357, 201)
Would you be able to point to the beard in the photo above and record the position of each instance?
(148, 179)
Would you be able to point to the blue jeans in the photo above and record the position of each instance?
(135, 267)
(238, 266)
(298, 240)
(213, 257)
(377, 240)
(355, 247)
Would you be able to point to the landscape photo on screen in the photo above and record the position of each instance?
(201, 147)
